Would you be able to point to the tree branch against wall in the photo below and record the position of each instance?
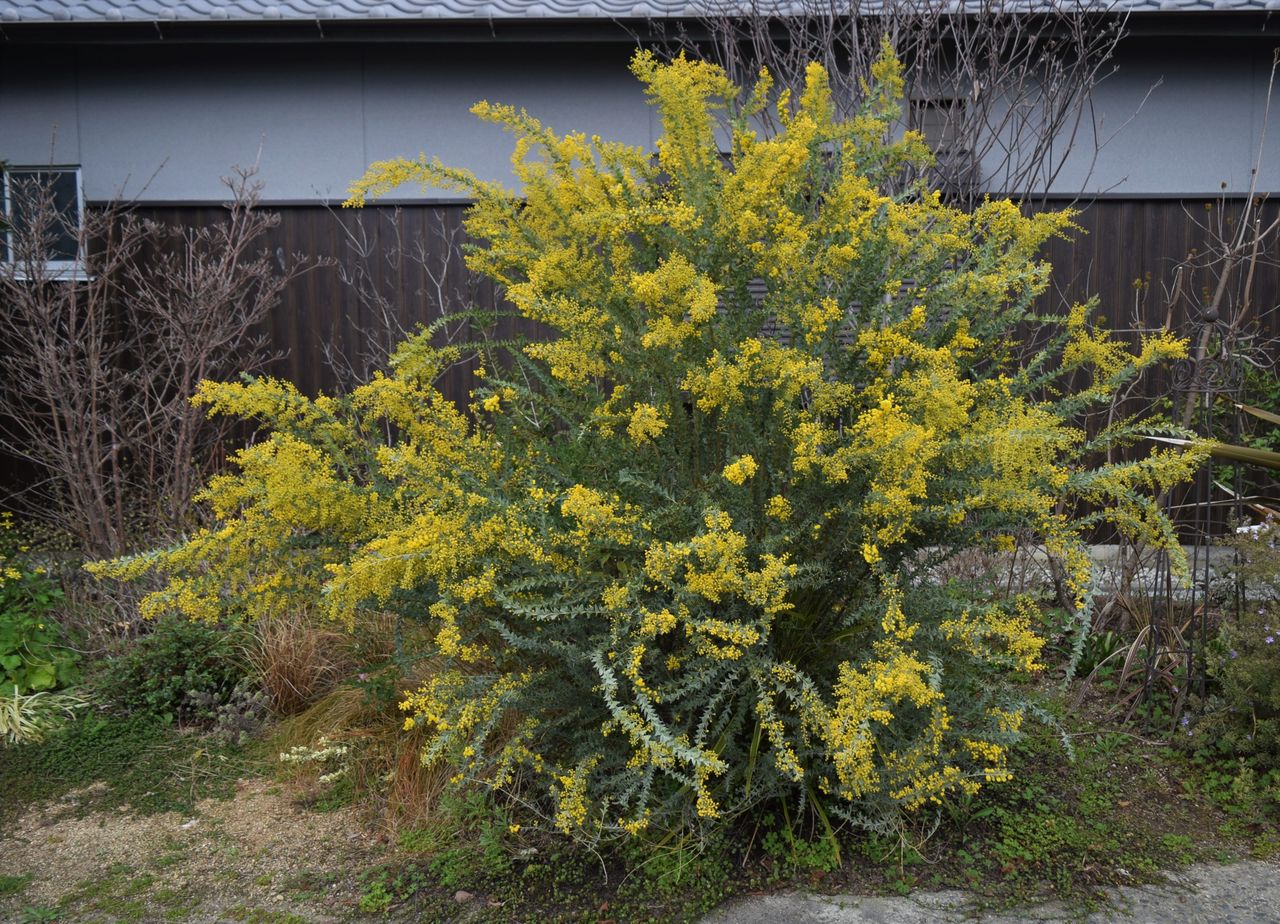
(1004, 97)
(381, 256)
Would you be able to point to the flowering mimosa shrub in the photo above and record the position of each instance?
(677, 560)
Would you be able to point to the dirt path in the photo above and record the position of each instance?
(261, 859)
(256, 858)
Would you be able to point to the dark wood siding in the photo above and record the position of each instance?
(323, 324)
(1124, 254)
(1127, 250)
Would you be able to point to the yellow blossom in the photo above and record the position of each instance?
(646, 423)
(740, 469)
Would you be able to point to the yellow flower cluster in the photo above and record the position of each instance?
(598, 517)
(779, 508)
(740, 469)
(646, 423)
(715, 567)
(995, 635)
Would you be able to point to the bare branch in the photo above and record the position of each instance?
(99, 365)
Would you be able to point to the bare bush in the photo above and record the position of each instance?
(100, 361)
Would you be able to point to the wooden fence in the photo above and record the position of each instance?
(388, 267)
(407, 261)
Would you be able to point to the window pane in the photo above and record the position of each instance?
(938, 120)
(52, 197)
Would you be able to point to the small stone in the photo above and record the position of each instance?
(462, 897)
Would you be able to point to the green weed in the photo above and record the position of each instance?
(38, 914)
(150, 767)
(13, 885)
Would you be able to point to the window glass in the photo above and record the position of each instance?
(30, 193)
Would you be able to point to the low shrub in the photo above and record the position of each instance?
(178, 671)
(1245, 663)
(236, 717)
(1242, 715)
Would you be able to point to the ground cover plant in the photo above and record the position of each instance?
(36, 661)
(139, 764)
(677, 562)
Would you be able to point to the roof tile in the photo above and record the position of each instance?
(258, 10)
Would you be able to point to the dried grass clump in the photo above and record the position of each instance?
(382, 765)
(298, 660)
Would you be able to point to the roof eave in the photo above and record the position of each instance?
(1222, 23)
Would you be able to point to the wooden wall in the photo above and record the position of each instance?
(378, 268)
(1124, 254)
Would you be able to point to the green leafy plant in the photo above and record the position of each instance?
(385, 885)
(178, 671)
(32, 658)
(376, 896)
(38, 914)
(467, 842)
(799, 854)
(684, 870)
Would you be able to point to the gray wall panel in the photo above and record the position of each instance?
(322, 112)
(38, 118)
(1177, 117)
(419, 101)
(192, 116)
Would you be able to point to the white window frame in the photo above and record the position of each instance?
(58, 269)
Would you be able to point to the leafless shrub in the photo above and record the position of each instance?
(99, 362)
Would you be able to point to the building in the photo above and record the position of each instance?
(155, 100)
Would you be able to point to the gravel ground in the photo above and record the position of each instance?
(257, 857)
(260, 858)
(1239, 893)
